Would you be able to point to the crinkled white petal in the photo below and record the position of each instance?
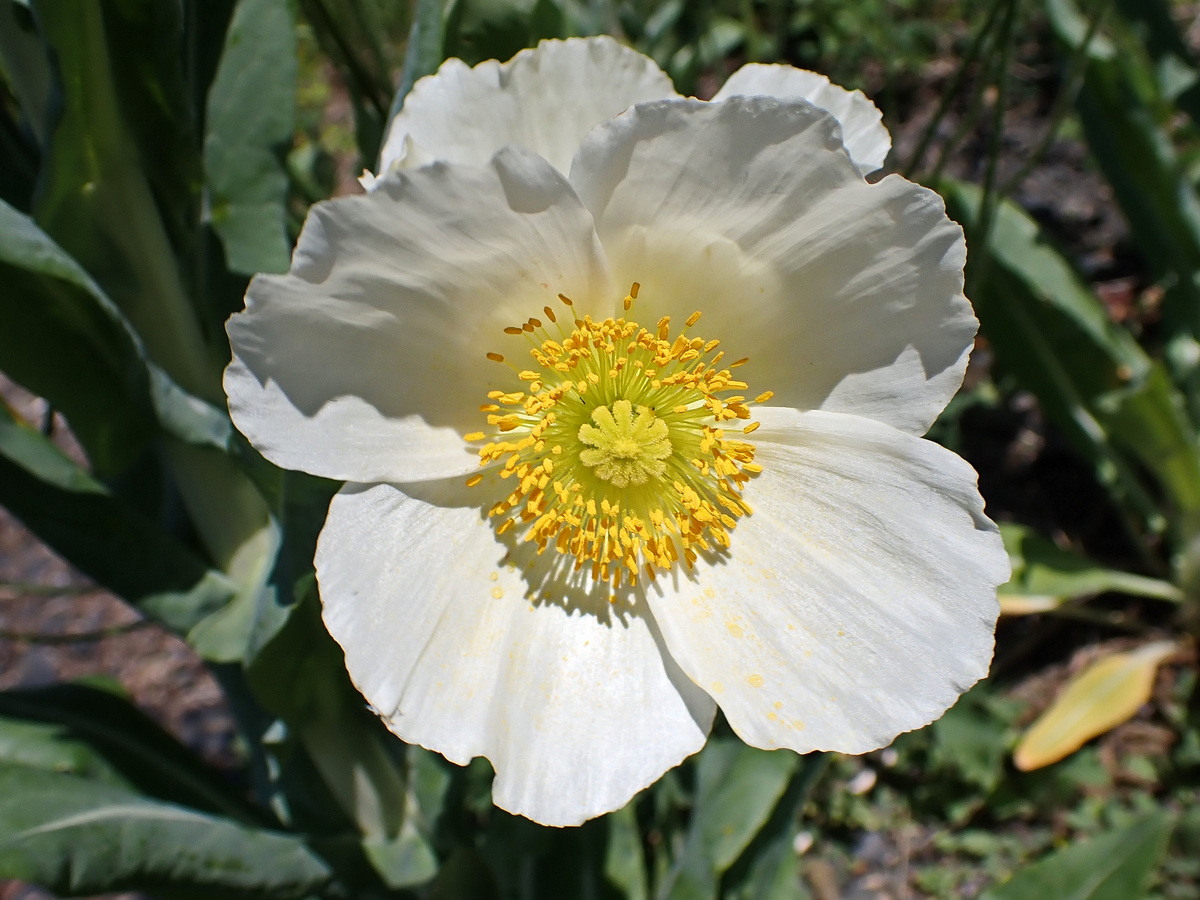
(866, 140)
(846, 296)
(366, 362)
(856, 602)
(571, 698)
(545, 99)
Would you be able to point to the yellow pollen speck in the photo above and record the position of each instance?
(755, 680)
(778, 704)
(718, 687)
(615, 453)
(734, 629)
(497, 593)
(495, 576)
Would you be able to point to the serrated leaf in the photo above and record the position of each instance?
(1113, 866)
(251, 112)
(1105, 694)
(75, 836)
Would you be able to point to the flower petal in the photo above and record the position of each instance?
(366, 362)
(856, 602)
(572, 699)
(845, 295)
(545, 99)
(866, 140)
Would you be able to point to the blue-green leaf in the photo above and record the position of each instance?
(251, 111)
(737, 788)
(75, 836)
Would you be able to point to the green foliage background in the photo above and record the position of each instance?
(156, 153)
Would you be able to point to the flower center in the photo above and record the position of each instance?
(625, 449)
(618, 448)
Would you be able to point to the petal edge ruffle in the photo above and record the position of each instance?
(576, 706)
(858, 601)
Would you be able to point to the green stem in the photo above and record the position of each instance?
(1065, 101)
(981, 235)
(952, 91)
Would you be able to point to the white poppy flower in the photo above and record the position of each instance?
(573, 522)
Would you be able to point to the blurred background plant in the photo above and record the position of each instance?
(154, 155)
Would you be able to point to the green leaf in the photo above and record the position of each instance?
(47, 747)
(1148, 179)
(66, 341)
(768, 869)
(63, 339)
(972, 740)
(497, 29)
(119, 187)
(119, 740)
(1153, 23)
(300, 676)
(251, 113)
(424, 52)
(75, 836)
(1090, 376)
(624, 860)
(112, 543)
(25, 69)
(1114, 866)
(1046, 576)
(737, 788)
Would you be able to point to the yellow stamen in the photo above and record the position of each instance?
(616, 454)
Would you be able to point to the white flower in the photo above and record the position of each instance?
(804, 559)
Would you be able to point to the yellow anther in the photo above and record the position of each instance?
(495, 357)
(613, 454)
